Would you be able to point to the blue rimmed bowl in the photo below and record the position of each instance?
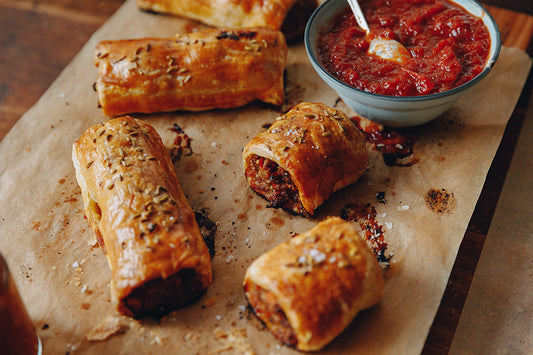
(395, 111)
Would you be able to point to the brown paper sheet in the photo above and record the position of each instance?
(498, 314)
(64, 279)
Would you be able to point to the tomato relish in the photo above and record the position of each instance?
(448, 47)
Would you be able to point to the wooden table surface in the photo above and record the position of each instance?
(40, 37)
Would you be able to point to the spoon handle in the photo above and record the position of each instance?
(359, 17)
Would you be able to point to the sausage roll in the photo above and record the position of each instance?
(134, 203)
(289, 16)
(304, 157)
(197, 71)
(309, 289)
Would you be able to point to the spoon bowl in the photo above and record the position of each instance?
(384, 48)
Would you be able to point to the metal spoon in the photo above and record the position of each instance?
(381, 47)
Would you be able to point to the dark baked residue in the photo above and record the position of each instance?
(440, 201)
(208, 229)
(365, 215)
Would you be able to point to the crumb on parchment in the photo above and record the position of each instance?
(236, 340)
(111, 325)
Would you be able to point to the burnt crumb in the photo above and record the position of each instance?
(247, 34)
(266, 125)
(208, 228)
(382, 258)
(230, 35)
(236, 35)
(380, 196)
(440, 201)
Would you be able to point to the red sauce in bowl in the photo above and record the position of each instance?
(448, 46)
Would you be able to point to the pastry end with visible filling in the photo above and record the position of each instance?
(275, 184)
(267, 309)
(159, 296)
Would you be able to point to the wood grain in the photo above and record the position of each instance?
(39, 38)
(516, 29)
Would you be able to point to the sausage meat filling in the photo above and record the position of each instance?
(269, 312)
(275, 184)
(158, 297)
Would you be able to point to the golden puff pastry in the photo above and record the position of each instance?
(306, 155)
(135, 206)
(199, 71)
(289, 16)
(309, 289)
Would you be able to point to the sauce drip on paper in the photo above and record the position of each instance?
(393, 145)
(182, 144)
(365, 215)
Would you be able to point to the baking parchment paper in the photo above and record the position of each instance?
(63, 276)
(498, 314)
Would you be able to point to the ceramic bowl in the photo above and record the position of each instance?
(395, 111)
